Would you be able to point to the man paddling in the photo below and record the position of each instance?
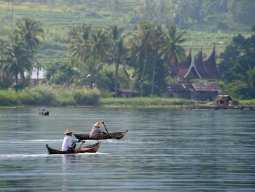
(69, 143)
(96, 131)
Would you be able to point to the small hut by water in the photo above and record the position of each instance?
(223, 101)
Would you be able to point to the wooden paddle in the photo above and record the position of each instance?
(80, 145)
(105, 127)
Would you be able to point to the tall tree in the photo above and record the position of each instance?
(29, 31)
(155, 42)
(79, 48)
(99, 46)
(17, 60)
(140, 44)
(118, 52)
(172, 50)
(238, 66)
(88, 50)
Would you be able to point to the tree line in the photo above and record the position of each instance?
(145, 56)
(113, 58)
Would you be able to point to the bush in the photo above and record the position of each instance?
(8, 98)
(49, 95)
(85, 97)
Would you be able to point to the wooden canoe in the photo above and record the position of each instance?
(87, 149)
(113, 135)
(45, 113)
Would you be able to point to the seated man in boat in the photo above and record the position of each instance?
(43, 111)
(69, 143)
(95, 130)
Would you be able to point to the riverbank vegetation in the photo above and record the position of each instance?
(51, 96)
(67, 96)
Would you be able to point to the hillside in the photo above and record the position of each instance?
(59, 15)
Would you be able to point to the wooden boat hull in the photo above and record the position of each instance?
(46, 113)
(113, 135)
(87, 149)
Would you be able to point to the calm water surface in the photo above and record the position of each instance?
(164, 150)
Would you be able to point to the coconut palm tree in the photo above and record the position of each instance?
(17, 60)
(99, 47)
(79, 49)
(155, 42)
(118, 51)
(171, 49)
(30, 31)
(87, 50)
(140, 45)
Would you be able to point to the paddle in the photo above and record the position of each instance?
(80, 145)
(106, 129)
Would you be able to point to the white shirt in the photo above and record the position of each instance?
(68, 142)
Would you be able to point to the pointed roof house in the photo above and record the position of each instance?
(192, 72)
(197, 68)
(182, 68)
(210, 65)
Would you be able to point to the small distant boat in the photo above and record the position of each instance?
(113, 135)
(87, 149)
(44, 112)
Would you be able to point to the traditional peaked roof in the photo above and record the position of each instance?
(197, 68)
(210, 65)
(181, 68)
(192, 72)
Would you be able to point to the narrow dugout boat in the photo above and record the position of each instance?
(87, 149)
(113, 135)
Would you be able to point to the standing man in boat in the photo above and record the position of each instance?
(95, 130)
(69, 143)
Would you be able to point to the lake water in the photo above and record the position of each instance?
(164, 150)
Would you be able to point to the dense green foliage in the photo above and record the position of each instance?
(112, 45)
(238, 67)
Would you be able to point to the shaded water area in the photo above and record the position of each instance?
(164, 150)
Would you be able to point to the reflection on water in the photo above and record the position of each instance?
(164, 150)
(67, 161)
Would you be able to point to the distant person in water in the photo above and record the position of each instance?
(69, 143)
(95, 130)
(43, 111)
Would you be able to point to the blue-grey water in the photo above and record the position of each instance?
(164, 150)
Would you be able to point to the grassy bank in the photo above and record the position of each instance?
(146, 102)
(50, 95)
(65, 96)
(250, 102)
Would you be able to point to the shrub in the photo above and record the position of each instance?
(8, 98)
(85, 97)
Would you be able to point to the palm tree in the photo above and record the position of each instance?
(156, 40)
(140, 44)
(25, 43)
(30, 31)
(79, 49)
(171, 50)
(118, 51)
(99, 46)
(17, 60)
(87, 49)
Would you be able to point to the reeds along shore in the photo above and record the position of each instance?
(59, 96)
